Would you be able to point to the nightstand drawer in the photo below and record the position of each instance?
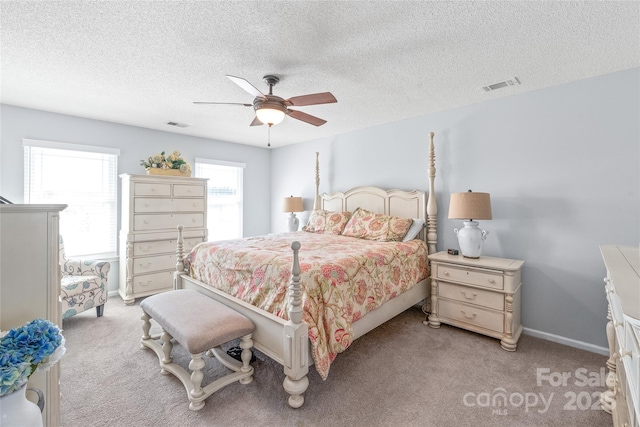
(469, 295)
(473, 315)
(473, 276)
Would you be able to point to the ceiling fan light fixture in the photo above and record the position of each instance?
(271, 114)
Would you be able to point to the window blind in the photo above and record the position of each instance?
(224, 197)
(85, 179)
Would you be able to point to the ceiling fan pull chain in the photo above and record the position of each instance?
(269, 135)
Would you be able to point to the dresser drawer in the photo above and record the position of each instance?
(152, 264)
(146, 189)
(631, 358)
(188, 190)
(156, 222)
(471, 295)
(473, 315)
(473, 276)
(144, 204)
(153, 282)
(162, 246)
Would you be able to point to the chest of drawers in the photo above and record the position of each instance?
(480, 295)
(622, 286)
(152, 208)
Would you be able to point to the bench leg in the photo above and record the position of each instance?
(146, 326)
(166, 351)
(196, 365)
(246, 343)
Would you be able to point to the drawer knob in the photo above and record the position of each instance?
(146, 265)
(446, 273)
(492, 281)
(146, 221)
(468, 317)
(472, 297)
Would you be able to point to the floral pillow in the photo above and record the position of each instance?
(372, 226)
(327, 222)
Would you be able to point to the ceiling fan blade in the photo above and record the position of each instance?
(246, 86)
(223, 103)
(316, 121)
(312, 99)
(256, 122)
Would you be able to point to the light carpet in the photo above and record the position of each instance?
(401, 374)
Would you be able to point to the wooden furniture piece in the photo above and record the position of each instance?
(200, 324)
(481, 295)
(30, 283)
(287, 341)
(152, 207)
(622, 397)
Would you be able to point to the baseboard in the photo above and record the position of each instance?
(566, 341)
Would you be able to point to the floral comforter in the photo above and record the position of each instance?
(342, 277)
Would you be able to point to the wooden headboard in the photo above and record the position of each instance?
(400, 203)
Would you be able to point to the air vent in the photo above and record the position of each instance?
(180, 125)
(509, 82)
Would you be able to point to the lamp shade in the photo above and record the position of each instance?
(292, 204)
(271, 116)
(470, 205)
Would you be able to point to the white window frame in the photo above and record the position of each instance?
(111, 197)
(212, 204)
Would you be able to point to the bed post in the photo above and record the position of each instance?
(296, 339)
(180, 260)
(432, 207)
(316, 200)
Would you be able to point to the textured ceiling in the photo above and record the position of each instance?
(144, 63)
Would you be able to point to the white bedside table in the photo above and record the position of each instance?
(481, 295)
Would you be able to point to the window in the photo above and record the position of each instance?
(82, 177)
(224, 197)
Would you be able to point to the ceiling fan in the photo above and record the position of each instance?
(271, 109)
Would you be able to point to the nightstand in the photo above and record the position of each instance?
(481, 295)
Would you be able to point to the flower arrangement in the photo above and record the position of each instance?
(36, 346)
(172, 161)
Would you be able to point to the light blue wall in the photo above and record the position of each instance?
(135, 144)
(562, 165)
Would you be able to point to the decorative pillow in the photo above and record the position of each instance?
(416, 226)
(372, 226)
(327, 222)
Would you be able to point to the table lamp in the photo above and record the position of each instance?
(292, 204)
(470, 206)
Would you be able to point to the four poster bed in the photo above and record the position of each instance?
(340, 286)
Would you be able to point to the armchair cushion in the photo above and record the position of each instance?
(84, 284)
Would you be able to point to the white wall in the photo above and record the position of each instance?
(135, 144)
(561, 164)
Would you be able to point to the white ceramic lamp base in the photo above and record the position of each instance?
(293, 222)
(471, 239)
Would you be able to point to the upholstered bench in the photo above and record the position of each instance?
(200, 324)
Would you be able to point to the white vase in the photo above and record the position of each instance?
(18, 411)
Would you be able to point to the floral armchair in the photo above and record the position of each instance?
(83, 285)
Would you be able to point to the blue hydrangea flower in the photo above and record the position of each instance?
(37, 344)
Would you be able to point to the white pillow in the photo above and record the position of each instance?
(416, 226)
